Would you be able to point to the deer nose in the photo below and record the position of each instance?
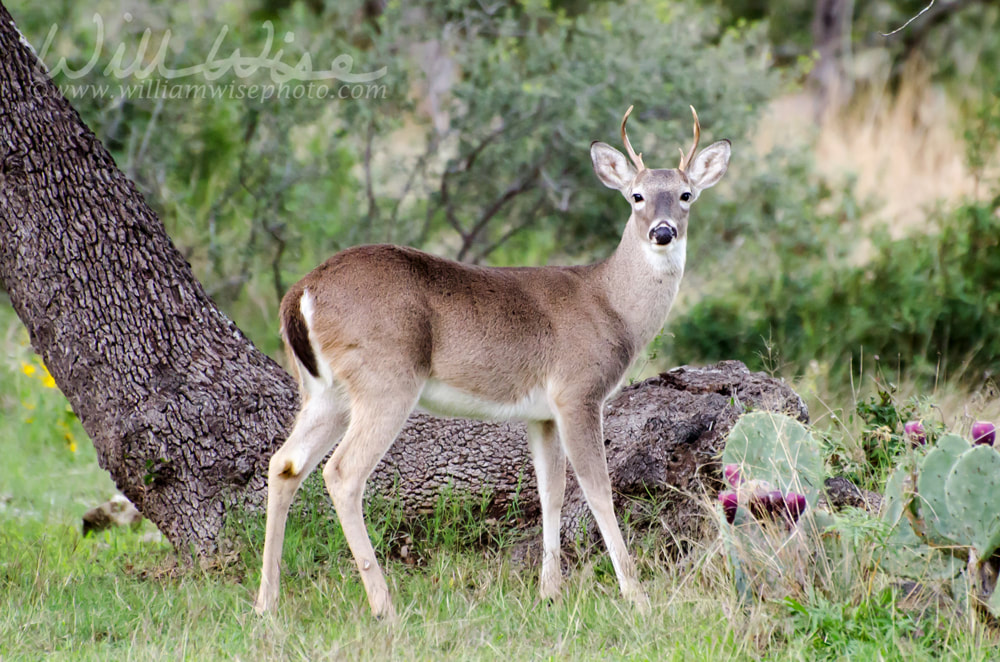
(663, 234)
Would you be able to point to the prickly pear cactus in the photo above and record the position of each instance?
(941, 528)
(769, 457)
(944, 516)
(905, 552)
(972, 492)
(777, 449)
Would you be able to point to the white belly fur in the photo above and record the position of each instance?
(444, 400)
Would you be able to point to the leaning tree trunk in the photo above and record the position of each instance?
(184, 411)
(181, 407)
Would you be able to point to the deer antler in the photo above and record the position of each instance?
(636, 158)
(686, 158)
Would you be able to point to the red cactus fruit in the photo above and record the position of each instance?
(732, 474)
(795, 505)
(760, 505)
(915, 433)
(984, 432)
(729, 503)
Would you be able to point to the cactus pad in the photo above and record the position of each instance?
(972, 490)
(777, 449)
(904, 552)
(942, 528)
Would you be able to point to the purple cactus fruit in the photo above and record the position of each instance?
(732, 474)
(776, 503)
(915, 433)
(729, 503)
(983, 432)
(795, 505)
(760, 505)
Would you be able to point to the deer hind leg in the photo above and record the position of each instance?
(582, 433)
(376, 420)
(318, 426)
(550, 472)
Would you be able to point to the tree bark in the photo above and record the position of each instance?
(182, 409)
(185, 412)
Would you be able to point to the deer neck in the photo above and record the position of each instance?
(640, 283)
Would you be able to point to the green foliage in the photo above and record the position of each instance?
(817, 285)
(873, 628)
(533, 96)
(483, 163)
(881, 412)
(883, 438)
(920, 299)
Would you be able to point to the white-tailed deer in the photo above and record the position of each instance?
(377, 330)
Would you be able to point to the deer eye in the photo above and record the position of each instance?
(637, 197)
(685, 196)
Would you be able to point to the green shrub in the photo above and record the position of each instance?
(926, 302)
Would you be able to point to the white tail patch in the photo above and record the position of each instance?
(312, 385)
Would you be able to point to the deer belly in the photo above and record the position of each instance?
(445, 400)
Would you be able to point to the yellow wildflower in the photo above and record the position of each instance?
(27, 368)
(48, 381)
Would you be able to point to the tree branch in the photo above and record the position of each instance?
(526, 183)
(912, 18)
(527, 220)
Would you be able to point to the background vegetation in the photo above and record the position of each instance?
(851, 248)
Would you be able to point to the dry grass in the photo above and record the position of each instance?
(948, 403)
(903, 146)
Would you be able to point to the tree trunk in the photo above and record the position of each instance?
(832, 78)
(182, 409)
(184, 412)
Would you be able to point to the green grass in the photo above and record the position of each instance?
(126, 595)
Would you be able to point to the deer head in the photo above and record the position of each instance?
(660, 199)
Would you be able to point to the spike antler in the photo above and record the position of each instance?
(686, 158)
(636, 158)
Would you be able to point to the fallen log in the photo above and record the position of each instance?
(663, 438)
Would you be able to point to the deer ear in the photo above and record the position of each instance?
(710, 165)
(611, 166)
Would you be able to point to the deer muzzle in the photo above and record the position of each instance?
(662, 234)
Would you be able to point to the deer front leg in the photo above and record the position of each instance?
(581, 431)
(550, 472)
